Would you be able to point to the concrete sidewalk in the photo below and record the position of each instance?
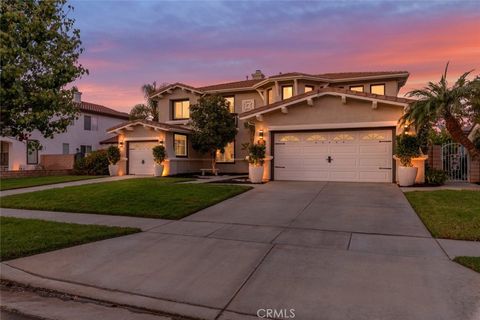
(63, 185)
(447, 186)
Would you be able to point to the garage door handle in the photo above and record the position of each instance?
(385, 141)
(382, 168)
(279, 167)
(279, 142)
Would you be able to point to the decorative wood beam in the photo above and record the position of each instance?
(259, 117)
(374, 105)
(295, 87)
(284, 110)
(262, 95)
(344, 99)
(310, 102)
(129, 128)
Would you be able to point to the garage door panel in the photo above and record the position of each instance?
(356, 156)
(140, 158)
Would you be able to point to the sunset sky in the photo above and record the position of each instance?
(129, 43)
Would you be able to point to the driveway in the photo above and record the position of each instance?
(326, 250)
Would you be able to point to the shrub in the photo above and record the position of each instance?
(407, 147)
(113, 154)
(159, 154)
(256, 154)
(95, 163)
(435, 176)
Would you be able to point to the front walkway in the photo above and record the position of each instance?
(63, 185)
(327, 250)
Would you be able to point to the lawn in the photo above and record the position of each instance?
(25, 237)
(15, 183)
(448, 214)
(144, 197)
(469, 262)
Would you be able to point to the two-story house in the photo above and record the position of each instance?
(85, 134)
(332, 126)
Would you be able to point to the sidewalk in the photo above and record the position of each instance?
(63, 185)
(446, 186)
(458, 248)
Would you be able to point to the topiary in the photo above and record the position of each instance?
(256, 154)
(407, 147)
(159, 154)
(113, 155)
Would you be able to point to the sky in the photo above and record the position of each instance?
(130, 43)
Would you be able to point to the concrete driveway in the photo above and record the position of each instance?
(326, 250)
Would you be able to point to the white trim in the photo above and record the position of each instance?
(184, 122)
(346, 125)
(169, 89)
(335, 94)
(142, 139)
(129, 127)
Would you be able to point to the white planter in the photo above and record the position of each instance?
(113, 169)
(406, 176)
(158, 170)
(255, 174)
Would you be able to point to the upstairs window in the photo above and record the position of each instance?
(287, 92)
(181, 109)
(87, 123)
(32, 152)
(308, 88)
(231, 103)
(356, 88)
(180, 145)
(378, 89)
(269, 96)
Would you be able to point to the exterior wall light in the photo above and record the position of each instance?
(120, 144)
(160, 142)
(260, 134)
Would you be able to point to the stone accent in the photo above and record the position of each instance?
(435, 157)
(57, 161)
(474, 171)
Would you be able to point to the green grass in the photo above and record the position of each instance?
(448, 214)
(15, 183)
(144, 197)
(25, 237)
(469, 262)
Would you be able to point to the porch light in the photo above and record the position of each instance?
(121, 144)
(260, 134)
(160, 142)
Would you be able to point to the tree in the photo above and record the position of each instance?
(213, 125)
(148, 90)
(140, 112)
(456, 106)
(39, 57)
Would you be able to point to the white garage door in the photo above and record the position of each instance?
(140, 158)
(334, 156)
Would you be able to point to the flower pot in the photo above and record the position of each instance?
(158, 170)
(406, 176)
(113, 169)
(255, 174)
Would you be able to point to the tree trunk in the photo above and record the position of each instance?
(213, 161)
(455, 130)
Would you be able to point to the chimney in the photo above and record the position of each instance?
(77, 97)
(258, 75)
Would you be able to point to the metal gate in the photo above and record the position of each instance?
(455, 161)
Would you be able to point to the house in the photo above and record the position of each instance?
(85, 134)
(331, 126)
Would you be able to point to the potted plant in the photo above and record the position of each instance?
(159, 155)
(255, 158)
(113, 156)
(407, 148)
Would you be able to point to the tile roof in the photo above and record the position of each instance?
(348, 75)
(231, 85)
(159, 125)
(325, 90)
(111, 140)
(89, 107)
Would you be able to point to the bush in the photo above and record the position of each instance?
(407, 147)
(159, 154)
(256, 154)
(435, 176)
(95, 163)
(113, 154)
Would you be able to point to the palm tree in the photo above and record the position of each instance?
(456, 106)
(148, 89)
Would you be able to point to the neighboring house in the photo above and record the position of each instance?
(332, 127)
(84, 134)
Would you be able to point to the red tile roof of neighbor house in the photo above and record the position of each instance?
(102, 110)
(299, 97)
(149, 123)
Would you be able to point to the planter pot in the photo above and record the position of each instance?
(113, 169)
(255, 173)
(158, 170)
(406, 176)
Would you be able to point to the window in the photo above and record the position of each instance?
(65, 148)
(356, 88)
(32, 152)
(228, 155)
(231, 103)
(287, 92)
(269, 96)
(85, 149)
(4, 154)
(87, 123)
(308, 88)
(181, 109)
(180, 145)
(378, 89)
